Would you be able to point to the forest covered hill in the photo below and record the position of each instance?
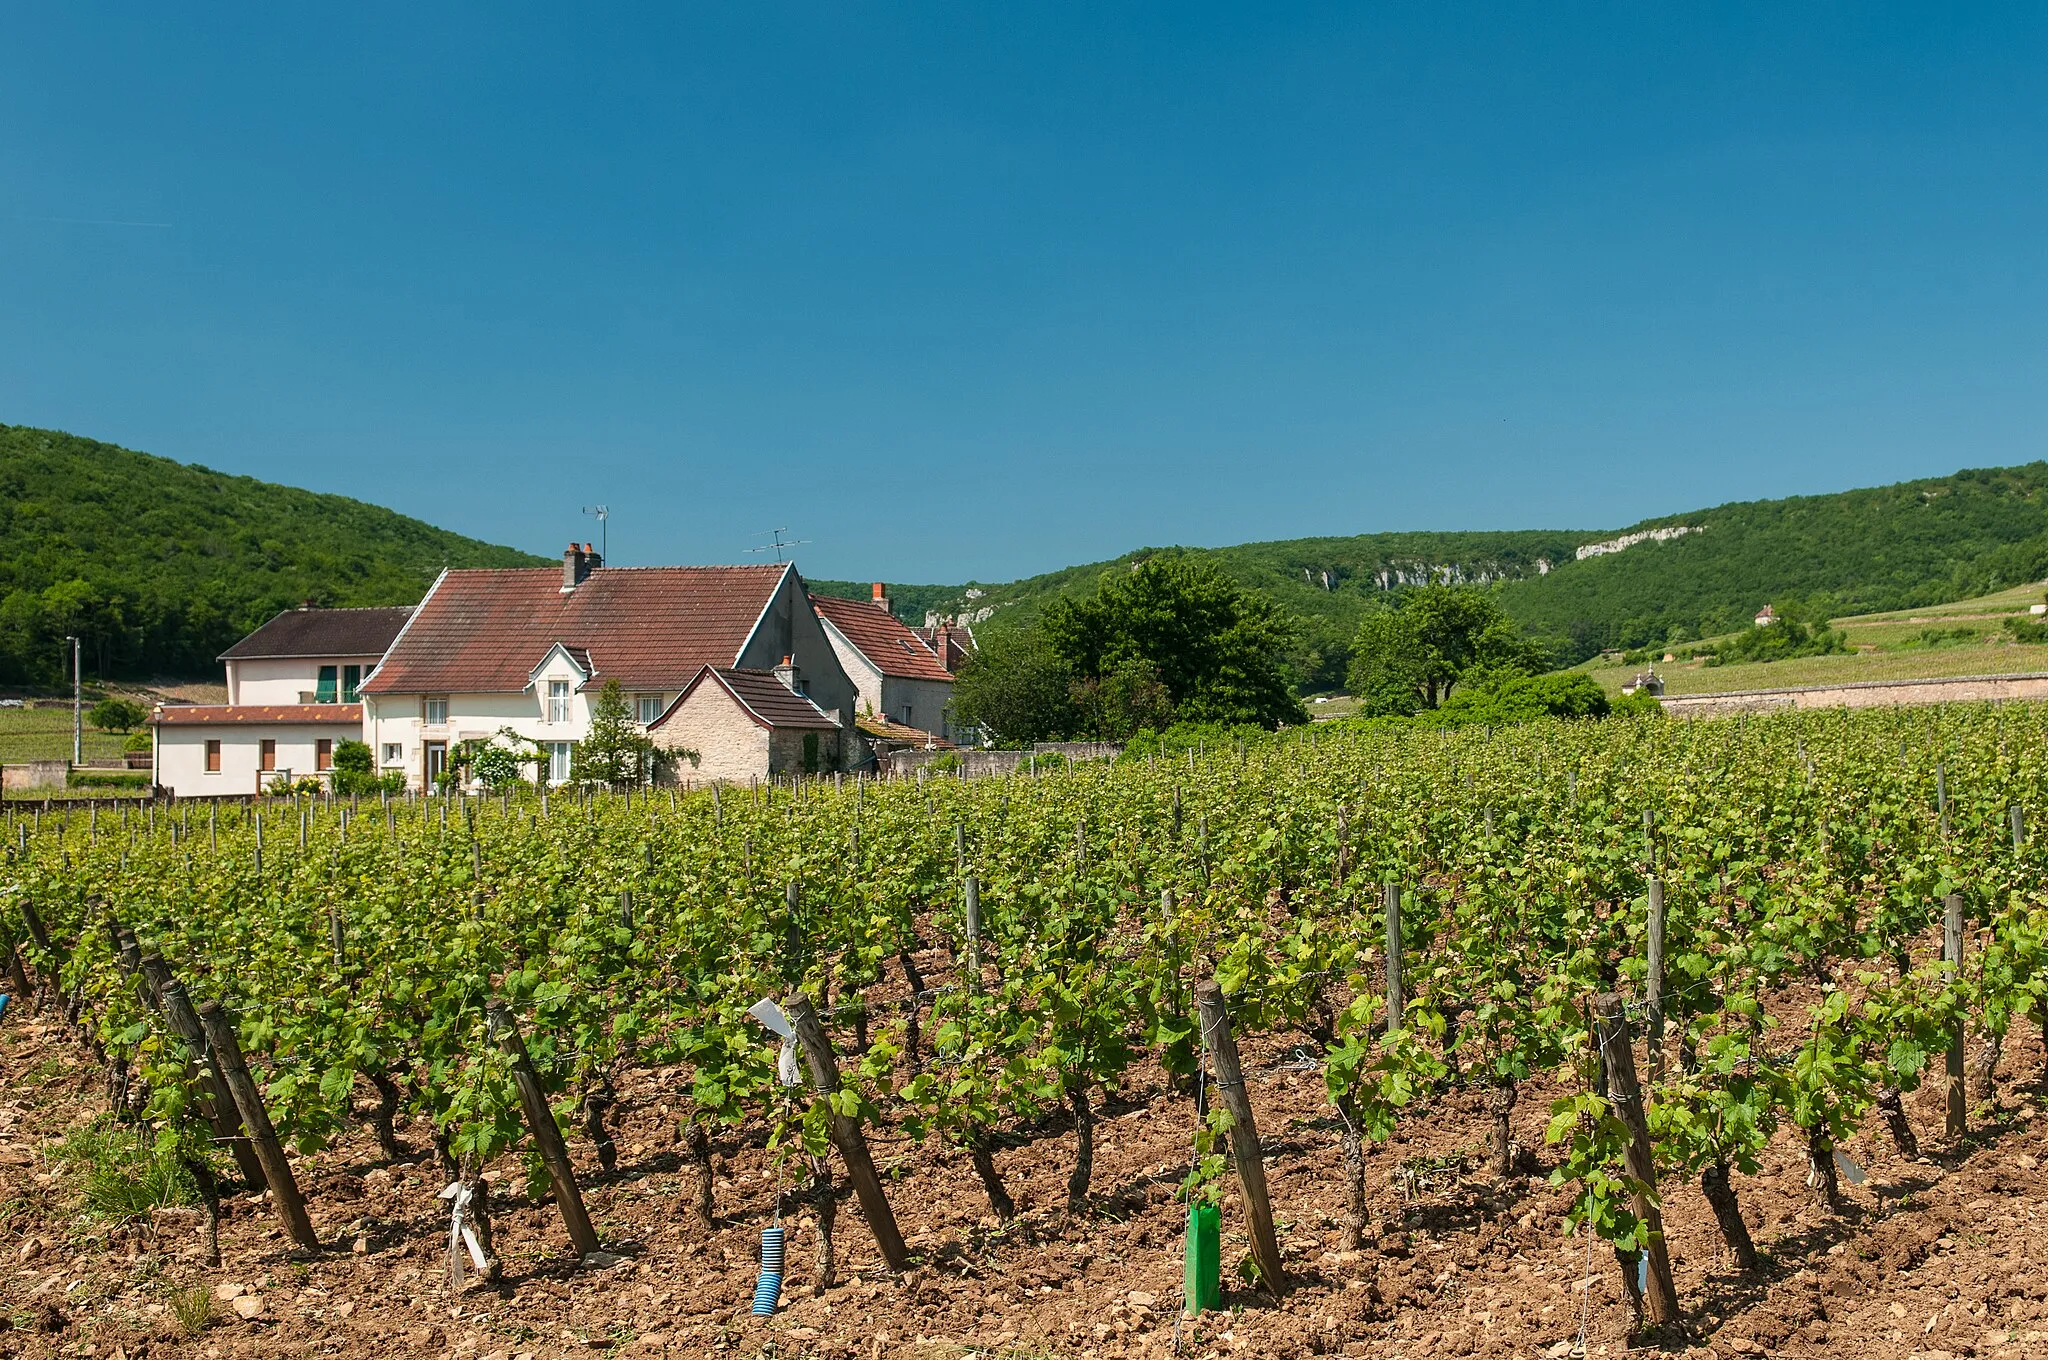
(160, 565)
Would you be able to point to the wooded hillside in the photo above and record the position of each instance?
(160, 565)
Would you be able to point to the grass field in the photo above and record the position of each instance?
(45, 734)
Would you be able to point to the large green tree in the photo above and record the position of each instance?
(1017, 689)
(1212, 647)
(1412, 656)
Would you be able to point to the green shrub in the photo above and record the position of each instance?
(2024, 629)
(108, 779)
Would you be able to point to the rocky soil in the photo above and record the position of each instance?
(1940, 1257)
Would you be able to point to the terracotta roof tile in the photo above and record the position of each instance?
(481, 631)
(901, 732)
(883, 639)
(229, 715)
(770, 702)
(323, 632)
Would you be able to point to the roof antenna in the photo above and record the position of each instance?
(603, 515)
(778, 543)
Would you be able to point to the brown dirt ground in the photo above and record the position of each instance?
(1936, 1258)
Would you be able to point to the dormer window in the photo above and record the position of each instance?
(558, 701)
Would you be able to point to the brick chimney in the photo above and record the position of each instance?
(578, 561)
(792, 679)
(882, 597)
(942, 643)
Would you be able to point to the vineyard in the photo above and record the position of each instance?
(1601, 1031)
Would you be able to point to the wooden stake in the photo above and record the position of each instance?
(1611, 1022)
(547, 1135)
(970, 896)
(220, 1110)
(1653, 982)
(1397, 1001)
(1952, 952)
(1245, 1151)
(845, 1133)
(277, 1172)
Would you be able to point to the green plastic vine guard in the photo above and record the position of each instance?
(1203, 1289)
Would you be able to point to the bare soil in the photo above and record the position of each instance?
(1936, 1258)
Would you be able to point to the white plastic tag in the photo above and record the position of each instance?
(770, 1014)
(786, 1066)
(1849, 1167)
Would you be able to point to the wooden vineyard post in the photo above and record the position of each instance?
(277, 1172)
(540, 1119)
(1245, 1152)
(1952, 953)
(220, 1109)
(845, 1133)
(2019, 829)
(1627, 1095)
(1653, 982)
(970, 896)
(1396, 1000)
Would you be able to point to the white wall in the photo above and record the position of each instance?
(283, 680)
(181, 755)
(398, 719)
(918, 703)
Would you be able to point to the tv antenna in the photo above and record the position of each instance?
(778, 543)
(602, 514)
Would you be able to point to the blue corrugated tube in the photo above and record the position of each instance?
(770, 1287)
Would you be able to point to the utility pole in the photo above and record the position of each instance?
(77, 711)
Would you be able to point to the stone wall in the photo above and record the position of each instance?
(1965, 689)
(34, 774)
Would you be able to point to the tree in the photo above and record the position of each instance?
(1017, 688)
(616, 752)
(1215, 648)
(117, 715)
(355, 771)
(1413, 656)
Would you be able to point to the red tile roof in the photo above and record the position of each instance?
(883, 639)
(216, 715)
(766, 699)
(481, 631)
(323, 632)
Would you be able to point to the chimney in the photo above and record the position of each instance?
(943, 641)
(792, 679)
(881, 597)
(578, 561)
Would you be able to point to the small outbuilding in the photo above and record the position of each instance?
(740, 725)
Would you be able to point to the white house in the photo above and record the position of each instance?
(529, 649)
(901, 678)
(211, 750)
(311, 656)
(291, 697)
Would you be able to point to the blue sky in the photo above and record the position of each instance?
(977, 291)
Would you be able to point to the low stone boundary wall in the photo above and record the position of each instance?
(1961, 689)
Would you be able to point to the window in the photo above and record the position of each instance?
(650, 708)
(437, 762)
(323, 754)
(269, 754)
(394, 753)
(906, 716)
(437, 711)
(213, 757)
(558, 701)
(558, 760)
(351, 683)
(325, 693)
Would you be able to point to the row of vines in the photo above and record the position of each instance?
(390, 958)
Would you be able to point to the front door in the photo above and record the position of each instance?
(437, 763)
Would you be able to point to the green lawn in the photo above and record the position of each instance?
(1691, 677)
